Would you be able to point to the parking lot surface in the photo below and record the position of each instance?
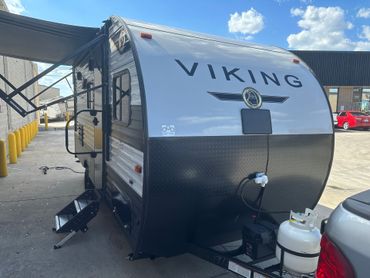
(29, 200)
(350, 173)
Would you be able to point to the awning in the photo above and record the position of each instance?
(39, 40)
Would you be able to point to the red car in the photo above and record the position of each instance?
(353, 119)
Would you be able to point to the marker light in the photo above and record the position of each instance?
(138, 169)
(146, 36)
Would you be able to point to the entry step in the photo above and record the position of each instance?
(75, 216)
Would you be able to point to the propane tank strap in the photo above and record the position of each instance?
(305, 255)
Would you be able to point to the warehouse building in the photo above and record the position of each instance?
(57, 111)
(345, 76)
(17, 71)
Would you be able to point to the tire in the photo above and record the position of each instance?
(346, 126)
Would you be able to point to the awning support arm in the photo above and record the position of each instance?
(2, 77)
(13, 104)
(44, 106)
(51, 68)
(47, 88)
(8, 98)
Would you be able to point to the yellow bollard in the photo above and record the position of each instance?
(46, 120)
(12, 148)
(34, 128)
(18, 142)
(67, 116)
(23, 139)
(26, 135)
(3, 166)
(29, 132)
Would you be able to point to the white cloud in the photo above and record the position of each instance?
(324, 28)
(306, 2)
(15, 6)
(364, 13)
(296, 12)
(247, 23)
(365, 32)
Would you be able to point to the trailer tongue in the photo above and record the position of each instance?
(194, 141)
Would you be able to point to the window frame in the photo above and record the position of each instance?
(118, 109)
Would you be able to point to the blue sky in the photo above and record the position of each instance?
(292, 24)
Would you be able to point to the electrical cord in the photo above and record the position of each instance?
(45, 169)
(258, 210)
(268, 154)
(259, 200)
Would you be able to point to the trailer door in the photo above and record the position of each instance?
(88, 120)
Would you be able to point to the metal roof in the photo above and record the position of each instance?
(38, 40)
(338, 68)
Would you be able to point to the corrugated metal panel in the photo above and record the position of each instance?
(123, 160)
(338, 68)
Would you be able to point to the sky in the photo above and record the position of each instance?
(290, 24)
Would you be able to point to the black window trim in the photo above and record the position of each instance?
(118, 113)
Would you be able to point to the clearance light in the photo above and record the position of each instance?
(146, 36)
(296, 61)
(332, 263)
(138, 169)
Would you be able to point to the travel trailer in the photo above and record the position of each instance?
(193, 140)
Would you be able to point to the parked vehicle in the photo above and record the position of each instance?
(335, 118)
(181, 132)
(353, 119)
(345, 245)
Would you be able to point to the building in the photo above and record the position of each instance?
(345, 76)
(56, 111)
(17, 71)
(50, 94)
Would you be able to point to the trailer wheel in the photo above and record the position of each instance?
(346, 126)
(87, 181)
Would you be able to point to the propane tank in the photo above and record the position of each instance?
(300, 240)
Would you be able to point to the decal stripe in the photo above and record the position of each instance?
(239, 97)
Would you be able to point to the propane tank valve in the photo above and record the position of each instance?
(261, 179)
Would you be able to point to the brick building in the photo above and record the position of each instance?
(345, 76)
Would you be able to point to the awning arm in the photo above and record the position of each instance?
(2, 77)
(8, 98)
(48, 87)
(63, 61)
(44, 106)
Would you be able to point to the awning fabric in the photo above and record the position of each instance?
(38, 40)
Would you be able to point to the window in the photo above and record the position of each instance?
(122, 97)
(358, 114)
(333, 90)
(365, 105)
(89, 99)
(342, 114)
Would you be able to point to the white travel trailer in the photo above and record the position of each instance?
(172, 126)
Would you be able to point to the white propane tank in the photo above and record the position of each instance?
(299, 234)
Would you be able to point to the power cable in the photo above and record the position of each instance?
(45, 169)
